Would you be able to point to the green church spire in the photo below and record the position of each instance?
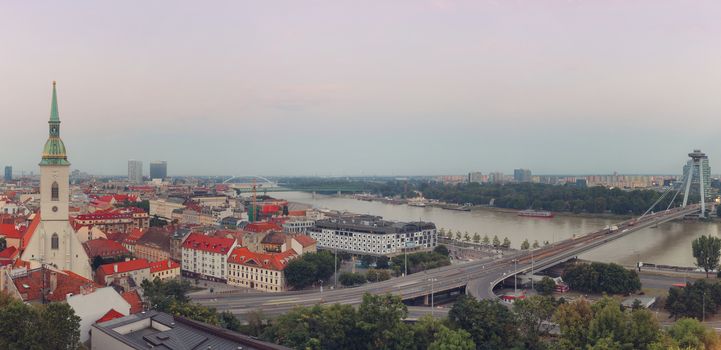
(54, 115)
(54, 150)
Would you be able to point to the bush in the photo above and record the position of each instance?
(441, 249)
(351, 279)
(374, 275)
(421, 261)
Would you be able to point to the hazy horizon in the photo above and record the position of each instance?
(364, 88)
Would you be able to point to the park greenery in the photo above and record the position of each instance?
(558, 198)
(484, 325)
(601, 278)
(375, 275)
(707, 251)
(419, 261)
(171, 296)
(350, 279)
(310, 268)
(699, 299)
(37, 327)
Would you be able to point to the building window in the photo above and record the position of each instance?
(54, 242)
(54, 192)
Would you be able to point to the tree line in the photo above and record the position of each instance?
(558, 198)
(601, 278)
(487, 324)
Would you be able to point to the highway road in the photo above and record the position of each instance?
(478, 277)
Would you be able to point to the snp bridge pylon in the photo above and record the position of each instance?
(697, 170)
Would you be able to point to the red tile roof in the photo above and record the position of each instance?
(134, 236)
(9, 231)
(30, 286)
(270, 261)
(133, 298)
(31, 230)
(9, 253)
(125, 266)
(199, 241)
(110, 315)
(104, 248)
(305, 240)
(259, 227)
(158, 266)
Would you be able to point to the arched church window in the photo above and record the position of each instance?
(55, 192)
(55, 242)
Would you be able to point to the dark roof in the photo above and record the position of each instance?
(372, 225)
(274, 238)
(157, 238)
(183, 334)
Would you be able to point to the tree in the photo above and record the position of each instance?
(300, 273)
(441, 249)
(352, 278)
(382, 261)
(496, 241)
(229, 321)
(448, 339)
(535, 244)
(52, 326)
(599, 277)
(380, 319)
(476, 238)
(506, 243)
(458, 235)
(706, 250)
(466, 237)
(486, 240)
(574, 320)
(491, 324)
(367, 260)
(533, 315)
(690, 333)
(525, 245)
(60, 326)
(545, 286)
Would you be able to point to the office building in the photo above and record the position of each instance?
(135, 171)
(158, 170)
(8, 173)
(522, 175)
(366, 234)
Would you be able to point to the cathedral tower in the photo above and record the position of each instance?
(53, 240)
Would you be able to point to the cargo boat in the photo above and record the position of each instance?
(535, 214)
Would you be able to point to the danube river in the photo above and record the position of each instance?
(669, 243)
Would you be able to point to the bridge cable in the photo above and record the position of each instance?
(674, 196)
(657, 201)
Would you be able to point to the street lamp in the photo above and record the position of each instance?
(515, 277)
(321, 290)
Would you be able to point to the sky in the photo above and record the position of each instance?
(340, 88)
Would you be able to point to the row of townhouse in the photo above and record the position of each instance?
(223, 259)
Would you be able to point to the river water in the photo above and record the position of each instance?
(669, 243)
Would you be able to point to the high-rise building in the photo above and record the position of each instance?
(52, 241)
(158, 169)
(8, 173)
(475, 176)
(496, 177)
(522, 175)
(135, 171)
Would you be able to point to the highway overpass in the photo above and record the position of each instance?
(476, 278)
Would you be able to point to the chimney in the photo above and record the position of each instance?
(53, 281)
(168, 263)
(115, 268)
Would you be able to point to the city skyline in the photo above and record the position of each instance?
(424, 88)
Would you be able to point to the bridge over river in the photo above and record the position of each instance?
(476, 278)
